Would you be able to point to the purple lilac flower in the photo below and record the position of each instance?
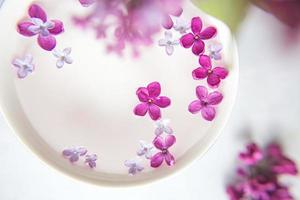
(258, 176)
(150, 100)
(24, 66)
(145, 149)
(134, 166)
(197, 36)
(213, 75)
(163, 144)
(90, 160)
(206, 103)
(38, 24)
(73, 154)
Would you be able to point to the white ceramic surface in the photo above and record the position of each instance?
(90, 102)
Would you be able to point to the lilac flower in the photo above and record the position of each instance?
(90, 160)
(162, 126)
(38, 24)
(252, 155)
(63, 57)
(24, 66)
(197, 36)
(73, 153)
(182, 26)
(145, 149)
(213, 75)
(134, 166)
(151, 102)
(206, 103)
(87, 3)
(170, 8)
(163, 144)
(215, 51)
(168, 42)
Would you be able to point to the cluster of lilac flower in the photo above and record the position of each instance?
(157, 151)
(133, 22)
(74, 153)
(258, 175)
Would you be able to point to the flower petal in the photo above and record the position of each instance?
(35, 11)
(198, 47)
(169, 141)
(154, 112)
(214, 98)
(142, 94)
(169, 50)
(205, 61)
(220, 72)
(196, 25)
(162, 101)
(195, 107)
(48, 43)
(208, 113)
(23, 29)
(67, 152)
(60, 63)
(201, 92)
(208, 33)
(141, 109)
(157, 160)
(159, 142)
(86, 3)
(199, 73)
(170, 160)
(154, 89)
(167, 22)
(187, 40)
(74, 158)
(58, 27)
(213, 80)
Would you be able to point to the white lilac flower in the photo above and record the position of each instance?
(215, 51)
(162, 126)
(146, 149)
(24, 66)
(182, 26)
(134, 166)
(168, 42)
(63, 57)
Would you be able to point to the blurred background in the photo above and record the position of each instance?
(267, 108)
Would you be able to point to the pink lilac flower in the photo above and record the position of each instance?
(213, 75)
(63, 57)
(151, 102)
(215, 51)
(162, 126)
(134, 166)
(206, 103)
(252, 155)
(168, 42)
(197, 36)
(163, 144)
(145, 149)
(38, 24)
(90, 160)
(73, 154)
(24, 66)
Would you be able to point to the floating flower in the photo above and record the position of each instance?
(87, 3)
(182, 26)
(213, 75)
(24, 66)
(252, 155)
(38, 24)
(146, 149)
(63, 57)
(162, 126)
(151, 102)
(215, 51)
(90, 160)
(168, 42)
(205, 103)
(197, 36)
(163, 144)
(134, 166)
(73, 153)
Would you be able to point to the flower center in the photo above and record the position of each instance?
(150, 101)
(197, 37)
(209, 71)
(164, 151)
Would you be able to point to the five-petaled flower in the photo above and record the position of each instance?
(73, 153)
(168, 42)
(63, 57)
(163, 144)
(162, 126)
(90, 160)
(38, 24)
(197, 36)
(146, 149)
(134, 166)
(215, 51)
(182, 26)
(205, 103)
(24, 66)
(151, 102)
(214, 75)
